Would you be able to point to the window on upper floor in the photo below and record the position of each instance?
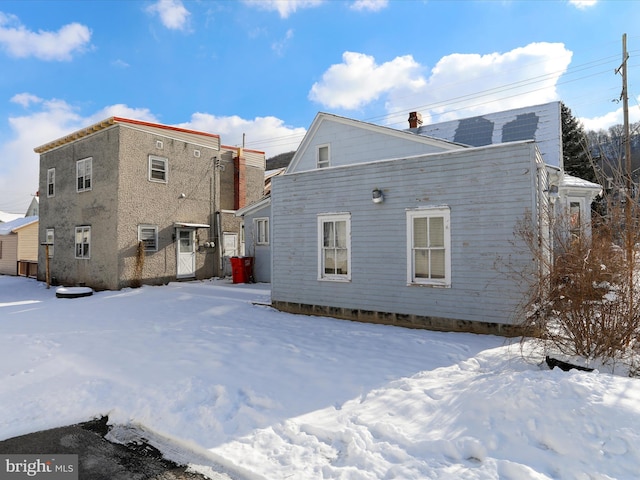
(83, 174)
(148, 235)
(83, 242)
(323, 158)
(51, 182)
(158, 169)
(429, 246)
(334, 242)
(261, 226)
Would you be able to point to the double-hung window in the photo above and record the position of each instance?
(323, 159)
(261, 226)
(158, 167)
(148, 235)
(83, 242)
(51, 182)
(334, 242)
(83, 174)
(429, 246)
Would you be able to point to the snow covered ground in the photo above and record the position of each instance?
(213, 376)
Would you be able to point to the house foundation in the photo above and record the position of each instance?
(402, 320)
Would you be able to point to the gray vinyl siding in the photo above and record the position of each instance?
(345, 145)
(488, 190)
(260, 253)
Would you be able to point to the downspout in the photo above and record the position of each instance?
(218, 227)
(540, 200)
(212, 209)
(542, 207)
(219, 242)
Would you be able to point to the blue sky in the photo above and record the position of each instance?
(265, 68)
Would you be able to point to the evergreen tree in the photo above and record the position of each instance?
(575, 154)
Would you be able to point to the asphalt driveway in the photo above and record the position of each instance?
(100, 459)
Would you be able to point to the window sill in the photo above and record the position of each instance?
(334, 279)
(429, 285)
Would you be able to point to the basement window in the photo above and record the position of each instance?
(148, 235)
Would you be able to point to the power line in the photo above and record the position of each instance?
(477, 96)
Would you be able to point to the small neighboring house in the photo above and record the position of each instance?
(257, 233)
(125, 202)
(256, 219)
(375, 224)
(19, 247)
(34, 207)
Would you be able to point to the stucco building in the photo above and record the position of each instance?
(125, 202)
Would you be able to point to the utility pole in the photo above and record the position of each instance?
(628, 184)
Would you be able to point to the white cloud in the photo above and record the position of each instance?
(583, 4)
(279, 47)
(267, 134)
(459, 85)
(19, 164)
(283, 7)
(371, 5)
(20, 42)
(359, 80)
(25, 99)
(120, 63)
(472, 84)
(610, 119)
(120, 110)
(173, 14)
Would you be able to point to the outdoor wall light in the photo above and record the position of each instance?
(553, 193)
(377, 196)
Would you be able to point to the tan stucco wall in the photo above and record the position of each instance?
(68, 209)
(152, 203)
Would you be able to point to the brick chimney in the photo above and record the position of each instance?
(415, 120)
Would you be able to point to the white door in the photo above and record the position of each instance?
(230, 241)
(230, 249)
(186, 253)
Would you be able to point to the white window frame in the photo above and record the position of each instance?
(84, 175)
(429, 212)
(323, 163)
(83, 249)
(261, 229)
(164, 170)
(50, 239)
(51, 182)
(333, 217)
(145, 238)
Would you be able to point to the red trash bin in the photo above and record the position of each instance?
(237, 270)
(241, 269)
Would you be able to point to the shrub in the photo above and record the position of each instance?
(584, 301)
